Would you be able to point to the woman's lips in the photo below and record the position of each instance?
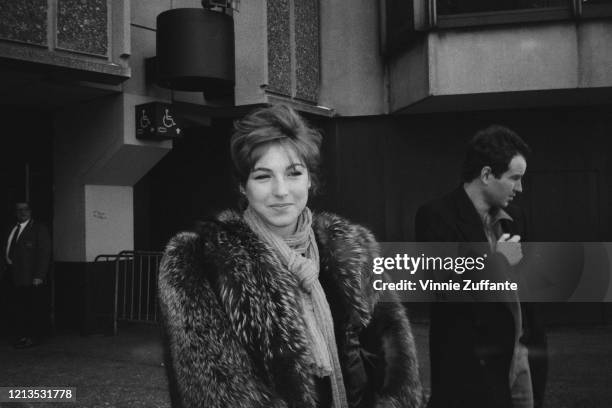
(281, 206)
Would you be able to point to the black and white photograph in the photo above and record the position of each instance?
(306, 203)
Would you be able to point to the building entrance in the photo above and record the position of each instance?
(26, 174)
(26, 163)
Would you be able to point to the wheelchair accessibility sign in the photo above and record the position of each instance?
(156, 121)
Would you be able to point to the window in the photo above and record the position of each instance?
(448, 7)
(457, 13)
(404, 19)
(595, 8)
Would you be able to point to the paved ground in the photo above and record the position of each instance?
(127, 371)
(121, 371)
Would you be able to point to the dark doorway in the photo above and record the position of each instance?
(26, 174)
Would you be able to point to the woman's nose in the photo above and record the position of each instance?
(280, 187)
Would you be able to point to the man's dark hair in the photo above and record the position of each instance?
(495, 147)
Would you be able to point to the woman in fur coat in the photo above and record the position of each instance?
(274, 307)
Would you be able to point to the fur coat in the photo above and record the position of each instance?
(232, 328)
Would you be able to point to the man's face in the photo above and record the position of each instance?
(500, 191)
(22, 212)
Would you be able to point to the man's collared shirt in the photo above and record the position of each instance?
(22, 226)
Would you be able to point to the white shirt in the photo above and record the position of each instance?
(22, 226)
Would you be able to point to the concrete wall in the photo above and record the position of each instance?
(504, 59)
(109, 220)
(250, 41)
(595, 53)
(95, 144)
(93, 41)
(352, 69)
(409, 76)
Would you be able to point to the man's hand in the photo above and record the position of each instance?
(510, 247)
(37, 282)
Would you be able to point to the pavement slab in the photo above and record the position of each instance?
(127, 370)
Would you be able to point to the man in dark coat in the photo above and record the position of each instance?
(26, 260)
(477, 354)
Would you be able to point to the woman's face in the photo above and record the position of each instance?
(277, 188)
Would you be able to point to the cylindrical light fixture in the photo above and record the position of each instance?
(195, 51)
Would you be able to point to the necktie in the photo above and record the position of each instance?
(490, 232)
(13, 244)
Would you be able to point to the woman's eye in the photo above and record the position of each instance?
(261, 177)
(295, 173)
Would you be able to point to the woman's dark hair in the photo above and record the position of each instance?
(495, 147)
(276, 124)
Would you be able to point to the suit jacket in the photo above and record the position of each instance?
(471, 344)
(233, 332)
(32, 254)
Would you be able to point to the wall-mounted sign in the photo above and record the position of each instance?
(157, 121)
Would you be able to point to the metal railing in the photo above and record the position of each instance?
(135, 285)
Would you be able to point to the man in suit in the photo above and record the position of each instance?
(26, 260)
(477, 354)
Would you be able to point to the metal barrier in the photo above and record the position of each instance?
(135, 285)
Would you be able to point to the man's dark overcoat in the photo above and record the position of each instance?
(32, 257)
(471, 344)
(234, 333)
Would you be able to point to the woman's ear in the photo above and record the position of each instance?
(242, 190)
